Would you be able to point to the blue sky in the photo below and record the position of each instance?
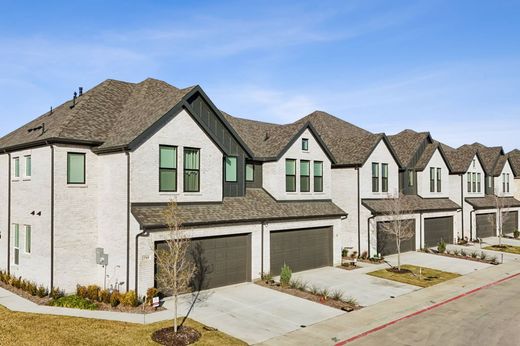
(450, 67)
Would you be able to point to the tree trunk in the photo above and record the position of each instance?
(398, 254)
(176, 296)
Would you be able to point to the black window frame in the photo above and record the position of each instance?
(84, 168)
(184, 170)
(469, 177)
(245, 172)
(318, 179)
(375, 177)
(439, 180)
(292, 176)
(507, 182)
(411, 178)
(479, 182)
(474, 182)
(305, 144)
(432, 179)
(384, 179)
(306, 178)
(169, 169)
(226, 169)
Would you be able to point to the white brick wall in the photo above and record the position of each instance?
(381, 154)
(4, 186)
(423, 178)
(344, 194)
(274, 172)
(498, 181)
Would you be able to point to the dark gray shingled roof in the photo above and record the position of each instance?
(489, 202)
(489, 156)
(460, 159)
(256, 205)
(406, 143)
(349, 145)
(111, 114)
(412, 204)
(514, 159)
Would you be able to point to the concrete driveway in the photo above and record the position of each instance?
(447, 264)
(253, 313)
(366, 289)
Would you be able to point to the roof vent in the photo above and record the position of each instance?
(41, 127)
(74, 100)
(80, 91)
(266, 136)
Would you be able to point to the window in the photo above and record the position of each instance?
(439, 180)
(27, 239)
(290, 175)
(384, 177)
(305, 176)
(318, 176)
(507, 182)
(474, 182)
(490, 181)
(191, 170)
(432, 179)
(305, 144)
(410, 178)
(250, 172)
(503, 182)
(375, 177)
(479, 177)
(28, 167)
(474, 163)
(16, 243)
(16, 167)
(75, 168)
(231, 169)
(167, 168)
(469, 181)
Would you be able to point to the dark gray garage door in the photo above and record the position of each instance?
(221, 261)
(386, 243)
(510, 220)
(301, 249)
(438, 228)
(486, 225)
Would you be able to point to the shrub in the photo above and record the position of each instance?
(153, 292)
(129, 299)
(56, 293)
(74, 302)
(463, 253)
(285, 275)
(115, 299)
(474, 254)
(516, 234)
(104, 296)
(325, 293)
(456, 252)
(364, 255)
(266, 276)
(344, 252)
(350, 300)
(494, 260)
(42, 291)
(314, 290)
(32, 289)
(294, 284)
(441, 247)
(93, 292)
(81, 291)
(337, 295)
(353, 255)
(483, 256)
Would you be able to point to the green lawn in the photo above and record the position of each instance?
(507, 248)
(429, 277)
(18, 328)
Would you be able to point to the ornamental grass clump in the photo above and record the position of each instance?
(285, 275)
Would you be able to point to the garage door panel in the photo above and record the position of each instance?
(221, 261)
(436, 229)
(301, 249)
(510, 220)
(485, 225)
(386, 242)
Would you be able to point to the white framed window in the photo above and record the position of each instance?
(28, 236)
(16, 245)
(305, 144)
(16, 167)
(28, 166)
(231, 169)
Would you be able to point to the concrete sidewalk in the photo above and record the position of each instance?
(14, 302)
(346, 326)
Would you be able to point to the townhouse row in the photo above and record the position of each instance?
(83, 189)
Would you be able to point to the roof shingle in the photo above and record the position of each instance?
(411, 203)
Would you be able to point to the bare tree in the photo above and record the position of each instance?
(175, 267)
(397, 227)
(499, 219)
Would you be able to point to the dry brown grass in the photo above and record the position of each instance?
(18, 328)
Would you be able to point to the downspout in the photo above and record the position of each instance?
(262, 250)
(143, 233)
(52, 216)
(9, 217)
(368, 233)
(471, 224)
(462, 202)
(421, 230)
(358, 212)
(128, 222)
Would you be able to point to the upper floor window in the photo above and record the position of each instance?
(432, 179)
(375, 177)
(505, 182)
(474, 182)
(318, 176)
(16, 229)
(468, 178)
(479, 178)
(231, 169)
(305, 144)
(28, 234)
(290, 175)
(410, 178)
(75, 168)
(384, 177)
(250, 172)
(16, 167)
(305, 176)
(167, 168)
(439, 180)
(191, 170)
(490, 181)
(28, 168)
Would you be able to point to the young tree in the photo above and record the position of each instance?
(397, 227)
(499, 219)
(175, 267)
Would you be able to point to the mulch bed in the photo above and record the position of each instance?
(100, 306)
(309, 296)
(184, 336)
(468, 258)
